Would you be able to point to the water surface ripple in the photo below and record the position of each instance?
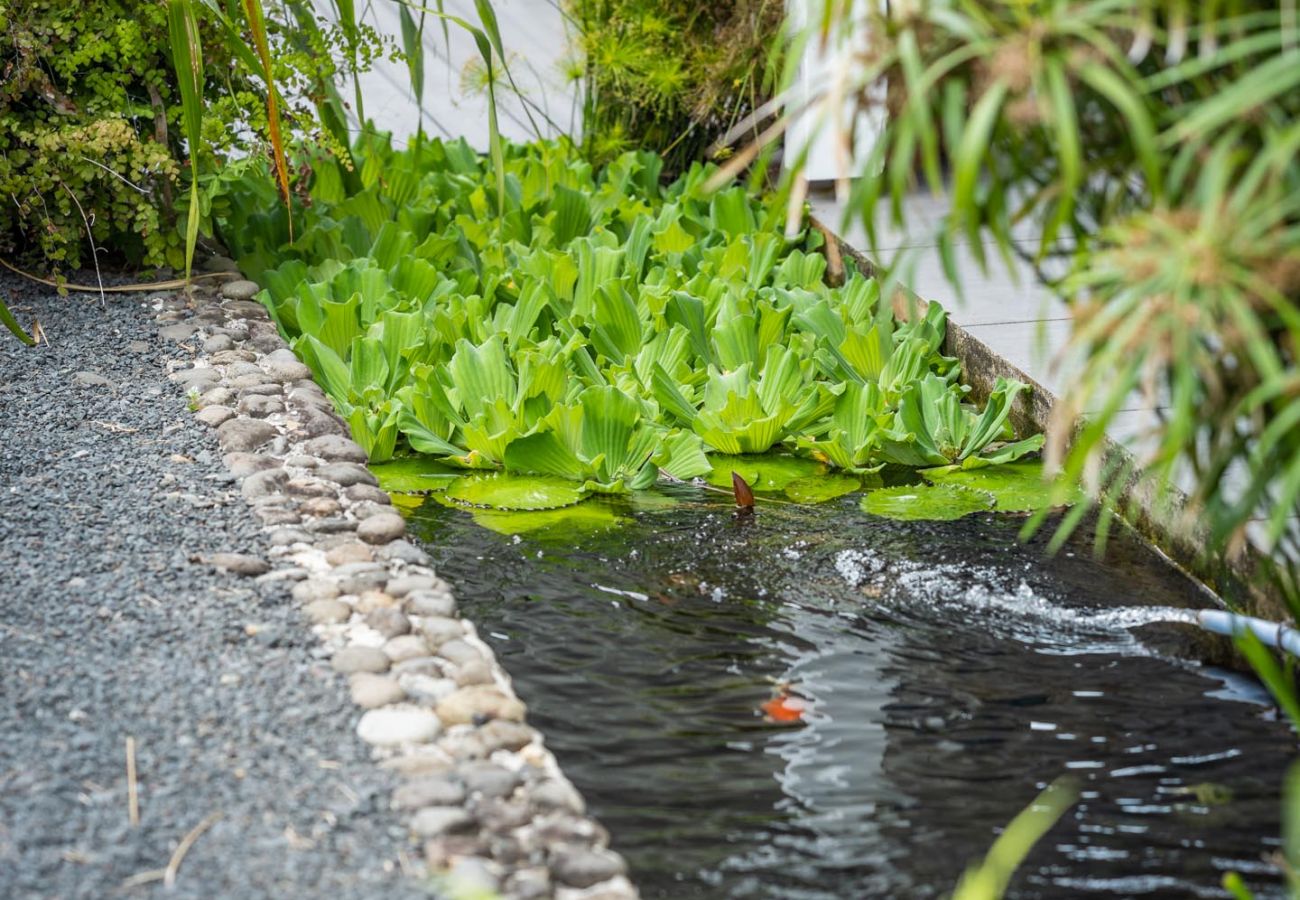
(950, 673)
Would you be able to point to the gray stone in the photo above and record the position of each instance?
(240, 290)
(282, 368)
(488, 779)
(199, 379)
(217, 343)
(552, 794)
(244, 434)
(426, 687)
(500, 734)
(245, 309)
(317, 422)
(364, 582)
(478, 703)
(92, 379)
(241, 368)
(438, 630)
(316, 589)
(529, 884)
(581, 867)
(388, 621)
(444, 789)
(244, 382)
(331, 525)
(381, 528)
(181, 331)
(138, 346)
(336, 448)
(320, 506)
(327, 611)
(403, 551)
(227, 357)
(360, 659)
(367, 493)
(473, 875)
(242, 464)
(213, 416)
(402, 647)
(405, 584)
(284, 537)
(433, 821)
(260, 407)
(347, 474)
(310, 487)
(263, 484)
(430, 602)
(349, 552)
(476, 671)
(390, 726)
(370, 691)
(218, 396)
(238, 563)
(272, 514)
(460, 652)
(267, 343)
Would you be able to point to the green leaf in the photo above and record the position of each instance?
(8, 320)
(939, 503)
(763, 473)
(820, 488)
(415, 475)
(1016, 487)
(515, 492)
(565, 524)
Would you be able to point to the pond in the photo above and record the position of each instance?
(811, 703)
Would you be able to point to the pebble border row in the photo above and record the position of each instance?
(478, 788)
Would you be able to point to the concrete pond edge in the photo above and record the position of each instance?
(480, 793)
(1161, 519)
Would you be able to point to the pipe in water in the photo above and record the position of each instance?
(1271, 634)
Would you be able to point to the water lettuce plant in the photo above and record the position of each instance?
(596, 330)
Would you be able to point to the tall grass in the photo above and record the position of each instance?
(187, 57)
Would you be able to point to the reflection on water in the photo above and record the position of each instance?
(949, 673)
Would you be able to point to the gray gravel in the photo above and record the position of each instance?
(110, 627)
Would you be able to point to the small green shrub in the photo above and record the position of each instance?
(91, 142)
(672, 76)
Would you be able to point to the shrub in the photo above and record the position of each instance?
(90, 130)
(672, 76)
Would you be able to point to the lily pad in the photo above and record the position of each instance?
(762, 473)
(407, 503)
(585, 518)
(416, 475)
(515, 492)
(940, 503)
(1016, 487)
(820, 488)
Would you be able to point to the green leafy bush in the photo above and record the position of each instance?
(91, 139)
(599, 328)
(675, 76)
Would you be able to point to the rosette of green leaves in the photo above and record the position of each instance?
(602, 439)
(469, 410)
(852, 436)
(743, 412)
(935, 427)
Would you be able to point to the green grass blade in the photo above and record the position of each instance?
(187, 57)
(257, 25)
(8, 320)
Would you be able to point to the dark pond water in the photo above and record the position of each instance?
(950, 673)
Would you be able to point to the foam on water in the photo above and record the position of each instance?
(1014, 609)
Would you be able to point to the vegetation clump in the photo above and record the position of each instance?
(594, 326)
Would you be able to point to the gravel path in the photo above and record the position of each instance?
(110, 629)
